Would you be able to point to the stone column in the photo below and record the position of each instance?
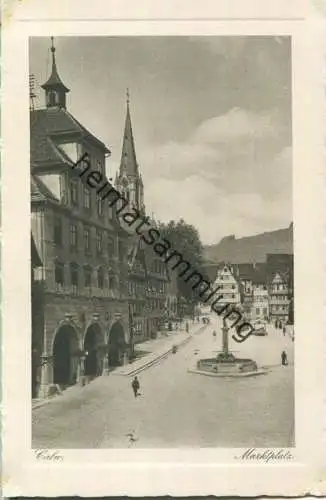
(80, 370)
(106, 364)
(46, 377)
(225, 338)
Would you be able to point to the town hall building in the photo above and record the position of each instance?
(81, 245)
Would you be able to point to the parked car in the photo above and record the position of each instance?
(260, 329)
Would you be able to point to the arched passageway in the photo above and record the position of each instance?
(65, 363)
(117, 345)
(93, 365)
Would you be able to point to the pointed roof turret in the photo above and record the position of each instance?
(128, 164)
(55, 90)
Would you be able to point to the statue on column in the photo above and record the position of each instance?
(225, 338)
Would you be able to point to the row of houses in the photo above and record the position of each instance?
(263, 291)
(96, 290)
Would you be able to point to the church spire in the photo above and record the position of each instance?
(129, 179)
(55, 90)
(128, 165)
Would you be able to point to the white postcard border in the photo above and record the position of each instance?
(155, 472)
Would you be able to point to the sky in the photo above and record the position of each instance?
(211, 120)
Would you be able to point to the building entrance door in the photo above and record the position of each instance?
(64, 364)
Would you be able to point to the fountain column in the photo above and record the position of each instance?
(225, 338)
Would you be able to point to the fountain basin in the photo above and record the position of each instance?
(227, 365)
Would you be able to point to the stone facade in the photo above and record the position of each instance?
(37, 315)
(260, 306)
(171, 304)
(81, 245)
(229, 287)
(279, 298)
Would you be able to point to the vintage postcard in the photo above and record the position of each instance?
(163, 277)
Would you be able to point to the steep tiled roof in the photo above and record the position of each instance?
(211, 270)
(260, 274)
(39, 191)
(47, 125)
(281, 263)
(244, 271)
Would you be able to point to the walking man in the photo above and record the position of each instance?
(135, 386)
(284, 358)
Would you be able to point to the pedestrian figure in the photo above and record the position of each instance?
(284, 330)
(135, 386)
(284, 358)
(214, 334)
(187, 327)
(132, 438)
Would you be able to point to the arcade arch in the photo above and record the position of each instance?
(93, 364)
(117, 345)
(65, 362)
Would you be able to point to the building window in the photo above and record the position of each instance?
(110, 210)
(265, 311)
(58, 231)
(99, 203)
(74, 277)
(121, 251)
(74, 192)
(87, 197)
(233, 296)
(112, 282)
(257, 311)
(87, 240)
(63, 191)
(100, 278)
(87, 276)
(59, 274)
(73, 236)
(99, 241)
(110, 247)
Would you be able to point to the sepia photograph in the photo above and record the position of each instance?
(162, 254)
